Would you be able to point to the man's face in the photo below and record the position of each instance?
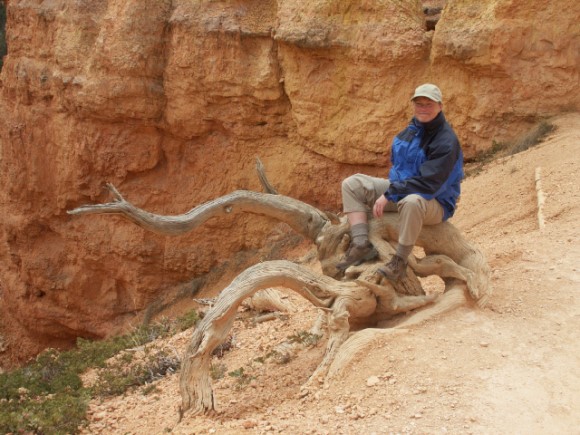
(426, 109)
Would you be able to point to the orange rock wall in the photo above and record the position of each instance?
(172, 101)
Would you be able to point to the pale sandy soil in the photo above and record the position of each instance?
(511, 368)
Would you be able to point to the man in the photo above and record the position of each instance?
(423, 184)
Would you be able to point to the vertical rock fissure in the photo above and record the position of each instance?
(3, 47)
(166, 38)
(281, 73)
(432, 10)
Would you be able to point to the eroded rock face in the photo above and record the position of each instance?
(171, 101)
(506, 63)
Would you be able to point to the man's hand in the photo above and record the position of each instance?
(379, 206)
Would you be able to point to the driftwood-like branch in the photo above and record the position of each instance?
(356, 298)
(320, 290)
(303, 218)
(443, 239)
(263, 179)
(345, 301)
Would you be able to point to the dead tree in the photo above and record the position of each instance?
(358, 304)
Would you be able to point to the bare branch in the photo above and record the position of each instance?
(303, 218)
(263, 179)
(332, 217)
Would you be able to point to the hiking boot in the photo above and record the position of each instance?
(358, 254)
(394, 269)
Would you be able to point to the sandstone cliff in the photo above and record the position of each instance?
(172, 100)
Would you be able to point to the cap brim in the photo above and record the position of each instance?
(426, 96)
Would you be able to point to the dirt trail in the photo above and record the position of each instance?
(512, 367)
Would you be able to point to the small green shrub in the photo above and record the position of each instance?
(48, 396)
(304, 337)
(45, 397)
(115, 383)
(489, 154)
(150, 389)
(279, 357)
(243, 378)
(188, 320)
(533, 138)
(118, 377)
(60, 413)
(217, 371)
(500, 149)
(238, 373)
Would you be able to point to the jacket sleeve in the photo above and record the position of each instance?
(442, 154)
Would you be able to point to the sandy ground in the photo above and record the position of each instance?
(510, 368)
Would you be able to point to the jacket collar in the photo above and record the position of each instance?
(432, 125)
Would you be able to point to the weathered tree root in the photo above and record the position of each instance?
(320, 290)
(343, 300)
(363, 299)
(360, 341)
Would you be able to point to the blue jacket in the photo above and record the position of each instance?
(428, 161)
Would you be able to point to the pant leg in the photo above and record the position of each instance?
(414, 212)
(359, 192)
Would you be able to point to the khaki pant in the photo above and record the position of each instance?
(359, 193)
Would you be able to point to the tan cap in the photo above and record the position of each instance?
(430, 91)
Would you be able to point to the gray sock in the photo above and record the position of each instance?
(360, 233)
(404, 251)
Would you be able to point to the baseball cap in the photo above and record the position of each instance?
(430, 91)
